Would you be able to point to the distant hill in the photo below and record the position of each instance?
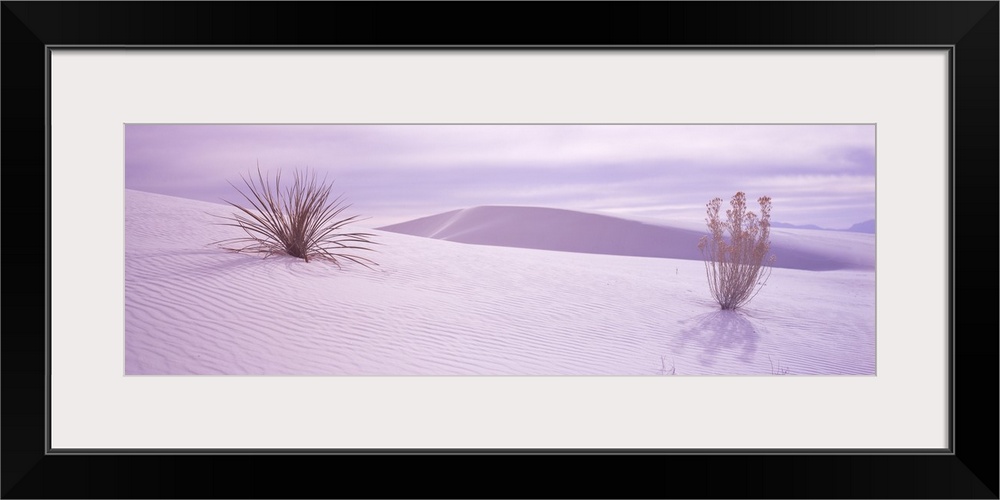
(867, 226)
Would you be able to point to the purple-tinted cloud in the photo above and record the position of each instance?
(816, 174)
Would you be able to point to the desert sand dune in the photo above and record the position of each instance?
(436, 307)
(572, 231)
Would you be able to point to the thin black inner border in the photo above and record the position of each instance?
(949, 450)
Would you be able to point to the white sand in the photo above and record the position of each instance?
(572, 231)
(439, 307)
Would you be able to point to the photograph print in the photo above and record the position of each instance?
(500, 250)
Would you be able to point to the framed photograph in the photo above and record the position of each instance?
(499, 249)
(731, 250)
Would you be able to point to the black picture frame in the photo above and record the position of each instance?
(968, 470)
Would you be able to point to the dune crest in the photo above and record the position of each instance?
(582, 232)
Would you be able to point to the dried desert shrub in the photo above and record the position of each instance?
(300, 221)
(737, 267)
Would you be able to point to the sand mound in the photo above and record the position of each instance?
(572, 231)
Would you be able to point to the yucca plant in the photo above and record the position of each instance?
(300, 221)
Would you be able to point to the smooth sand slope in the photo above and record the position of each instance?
(438, 307)
(572, 231)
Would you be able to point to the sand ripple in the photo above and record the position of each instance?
(437, 307)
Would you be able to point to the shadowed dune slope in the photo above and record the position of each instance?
(572, 231)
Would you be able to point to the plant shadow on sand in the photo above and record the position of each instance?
(723, 332)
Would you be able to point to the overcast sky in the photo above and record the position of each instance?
(815, 174)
